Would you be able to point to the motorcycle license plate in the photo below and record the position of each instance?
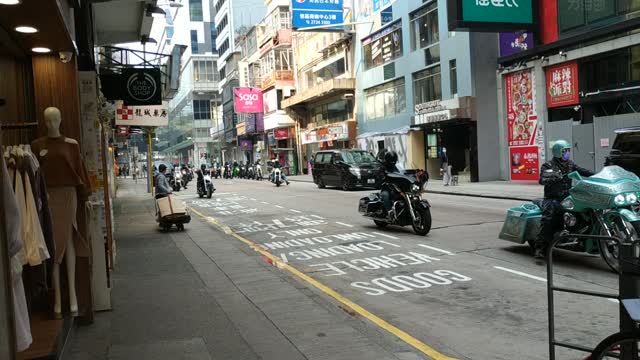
(371, 181)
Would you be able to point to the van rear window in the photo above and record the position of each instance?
(628, 143)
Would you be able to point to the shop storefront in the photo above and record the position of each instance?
(334, 136)
(449, 124)
(281, 146)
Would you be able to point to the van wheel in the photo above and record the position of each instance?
(346, 186)
(321, 184)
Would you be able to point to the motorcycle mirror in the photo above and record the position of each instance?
(575, 176)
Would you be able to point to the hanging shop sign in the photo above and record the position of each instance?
(491, 15)
(335, 132)
(313, 13)
(246, 144)
(241, 129)
(433, 117)
(515, 42)
(562, 85)
(155, 116)
(123, 130)
(143, 86)
(435, 111)
(280, 134)
(524, 129)
(247, 100)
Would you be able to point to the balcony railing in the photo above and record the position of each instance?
(323, 89)
(271, 79)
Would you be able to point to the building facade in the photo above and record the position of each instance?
(233, 20)
(424, 88)
(580, 74)
(323, 105)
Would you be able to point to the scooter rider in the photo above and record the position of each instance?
(201, 173)
(276, 165)
(553, 175)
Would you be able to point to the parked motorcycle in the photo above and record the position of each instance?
(602, 204)
(250, 172)
(236, 171)
(227, 171)
(408, 208)
(205, 185)
(258, 171)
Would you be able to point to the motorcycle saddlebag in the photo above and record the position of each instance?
(370, 204)
(522, 223)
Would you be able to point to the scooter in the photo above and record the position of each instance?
(602, 204)
(276, 177)
(176, 180)
(258, 172)
(250, 172)
(227, 172)
(205, 185)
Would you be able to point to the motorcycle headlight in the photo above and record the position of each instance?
(631, 198)
(415, 188)
(567, 204)
(619, 200)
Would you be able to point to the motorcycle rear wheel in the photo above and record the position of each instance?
(424, 226)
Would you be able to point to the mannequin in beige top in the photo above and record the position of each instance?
(52, 119)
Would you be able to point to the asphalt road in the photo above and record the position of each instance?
(460, 289)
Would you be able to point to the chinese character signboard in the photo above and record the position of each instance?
(142, 115)
(247, 100)
(142, 86)
(314, 13)
(280, 134)
(515, 42)
(491, 15)
(522, 125)
(562, 85)
(524, 163)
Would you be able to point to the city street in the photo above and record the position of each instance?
(458, 292)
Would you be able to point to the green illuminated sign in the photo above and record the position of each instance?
(498, 11)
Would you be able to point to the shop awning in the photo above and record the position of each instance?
(121, 21)
(404, 130)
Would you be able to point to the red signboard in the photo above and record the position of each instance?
(281, 134)
(524, 163)
(522, 121)
(123, 130)
(562, 85)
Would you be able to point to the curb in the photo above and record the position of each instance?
(516, 198)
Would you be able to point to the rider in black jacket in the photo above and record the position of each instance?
(553, 175)
(389, 159)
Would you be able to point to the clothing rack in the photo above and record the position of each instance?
(16, 133)
(17, 126)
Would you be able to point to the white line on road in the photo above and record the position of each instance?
(521, 273)
(252, 199)
(387, 236)
(343, 224)
(279, 207)
(284, 258)
(295, 211)
(436, 249)
(264, 202)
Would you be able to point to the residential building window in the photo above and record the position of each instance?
(223, 24)
(576, 14)
(224, 46)
(201, 109)
(205, 71)
(277, 60)
(333, 112)
(427, 85)
(424, 27)
(194, 41)
(170, 32)
(385, 100)
(195, 10)
(331, 71)
(214, 36)
(219, 4)
(453, 77)
(383, 46)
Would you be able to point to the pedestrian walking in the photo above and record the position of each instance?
(445, 167)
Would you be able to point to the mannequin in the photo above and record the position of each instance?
(67, 182)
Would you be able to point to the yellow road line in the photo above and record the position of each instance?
(402, 335)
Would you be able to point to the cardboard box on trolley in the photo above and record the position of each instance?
(170, 206)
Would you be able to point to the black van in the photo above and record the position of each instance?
(347, 169)
(626, 150)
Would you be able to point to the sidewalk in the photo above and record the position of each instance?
(511, 190)
(201, 295)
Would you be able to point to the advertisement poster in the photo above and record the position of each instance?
(515, 42)
(524, 162)
(562, 85)
(313, 13)
(521, 117)
(522, 126)
(280, 134)
(246, 145)
(247, 100)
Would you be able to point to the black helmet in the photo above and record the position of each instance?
(162, 168)
(203, 167)
(390, 158)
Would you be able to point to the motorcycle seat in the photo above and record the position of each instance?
(538, 202)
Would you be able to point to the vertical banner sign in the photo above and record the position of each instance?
(313, 13)
(522, 126)
(515, 42)
(562, 85)
(247, 100)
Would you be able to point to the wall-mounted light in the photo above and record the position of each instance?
(562, 54)
(155, 11)
(173, 4)
(26, 29)
(10, 2)
(145, 39)
(544, 59)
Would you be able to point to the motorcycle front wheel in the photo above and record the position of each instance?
(609, 249)
(422, 225)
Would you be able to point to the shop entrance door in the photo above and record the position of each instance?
(584, 146)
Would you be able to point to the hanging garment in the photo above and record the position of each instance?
(63, 204)
(14, 239)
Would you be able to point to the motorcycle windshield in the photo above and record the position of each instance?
(599, 189)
